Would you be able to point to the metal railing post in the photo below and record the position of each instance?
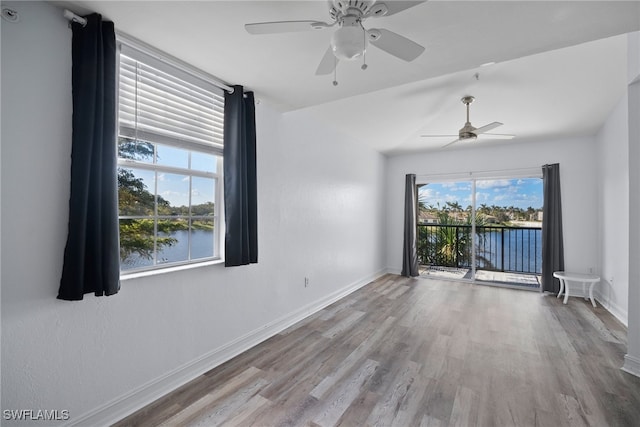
(502, 249)
(456, 252)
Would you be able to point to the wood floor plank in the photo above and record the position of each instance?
(343, 325)
(245, 415)
(415, 352)
(465, 406)
(352, 360)
(338, 401)
(219, 398)
(359, 410)
(389, 404)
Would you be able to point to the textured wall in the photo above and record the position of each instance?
(632, 359)
(612, 144)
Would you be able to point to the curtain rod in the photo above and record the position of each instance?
(497, 173)
(74, 18)
(150, 50)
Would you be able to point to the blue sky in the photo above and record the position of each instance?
(520, 193)
(174, 187)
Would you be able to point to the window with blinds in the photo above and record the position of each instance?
(159, 105)
(171, 127)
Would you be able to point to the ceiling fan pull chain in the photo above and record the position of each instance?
(364, 49)
(335, 71)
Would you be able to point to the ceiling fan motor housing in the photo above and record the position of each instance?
(341, 8)
(467, 132)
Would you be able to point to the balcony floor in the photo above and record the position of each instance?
(531, 281)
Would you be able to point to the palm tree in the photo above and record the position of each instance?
(455, 206)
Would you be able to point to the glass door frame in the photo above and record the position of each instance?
(473, 178)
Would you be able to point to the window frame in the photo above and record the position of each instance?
(165, 64)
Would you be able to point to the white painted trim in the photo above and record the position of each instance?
(130, 402)
(613, 308)
(532, 172)
(396, 271)
(631, 365)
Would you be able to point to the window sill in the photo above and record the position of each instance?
(128, 276)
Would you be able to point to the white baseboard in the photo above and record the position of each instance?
(613, 308)
(631, 365)
(396, 271)
(127, 404)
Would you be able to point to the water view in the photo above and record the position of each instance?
(201, 246)
(166, 204)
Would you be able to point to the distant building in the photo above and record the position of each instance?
(490, 219)
(427, 218)
(458, 216)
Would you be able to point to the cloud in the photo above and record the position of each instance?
(500, 192)
(482, 197)
(455, 186)
(427, 192)
(169, 193)
(492, 183)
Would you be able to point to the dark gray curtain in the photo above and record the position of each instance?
(240, 184)
(409, 248)
(552, 241)
(92, 253)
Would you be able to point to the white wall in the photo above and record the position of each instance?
(578, 187)
(321, 215)
(612, 144)
(632, 358)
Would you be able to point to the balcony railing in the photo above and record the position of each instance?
(507, 249)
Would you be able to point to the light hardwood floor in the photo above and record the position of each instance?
(420, 352)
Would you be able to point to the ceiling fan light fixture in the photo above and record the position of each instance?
(349, 42)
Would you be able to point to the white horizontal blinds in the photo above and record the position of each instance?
(160, 106)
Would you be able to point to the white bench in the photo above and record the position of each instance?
(566, 277)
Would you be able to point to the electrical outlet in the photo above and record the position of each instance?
(306, 282)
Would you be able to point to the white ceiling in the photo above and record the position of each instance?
(560, 65)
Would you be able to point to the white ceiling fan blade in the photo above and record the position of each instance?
(452, 142)
(437, 136)
(327, 63)
(496, 136)
(487, 128)
(395, 44)
(284, 27)
(392, 7)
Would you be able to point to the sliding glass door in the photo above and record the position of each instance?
(444, 229)
(486, 230)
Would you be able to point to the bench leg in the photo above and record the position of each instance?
(593, 302)
(561, 288)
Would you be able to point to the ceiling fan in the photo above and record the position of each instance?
(350, 39)
(469, 132)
